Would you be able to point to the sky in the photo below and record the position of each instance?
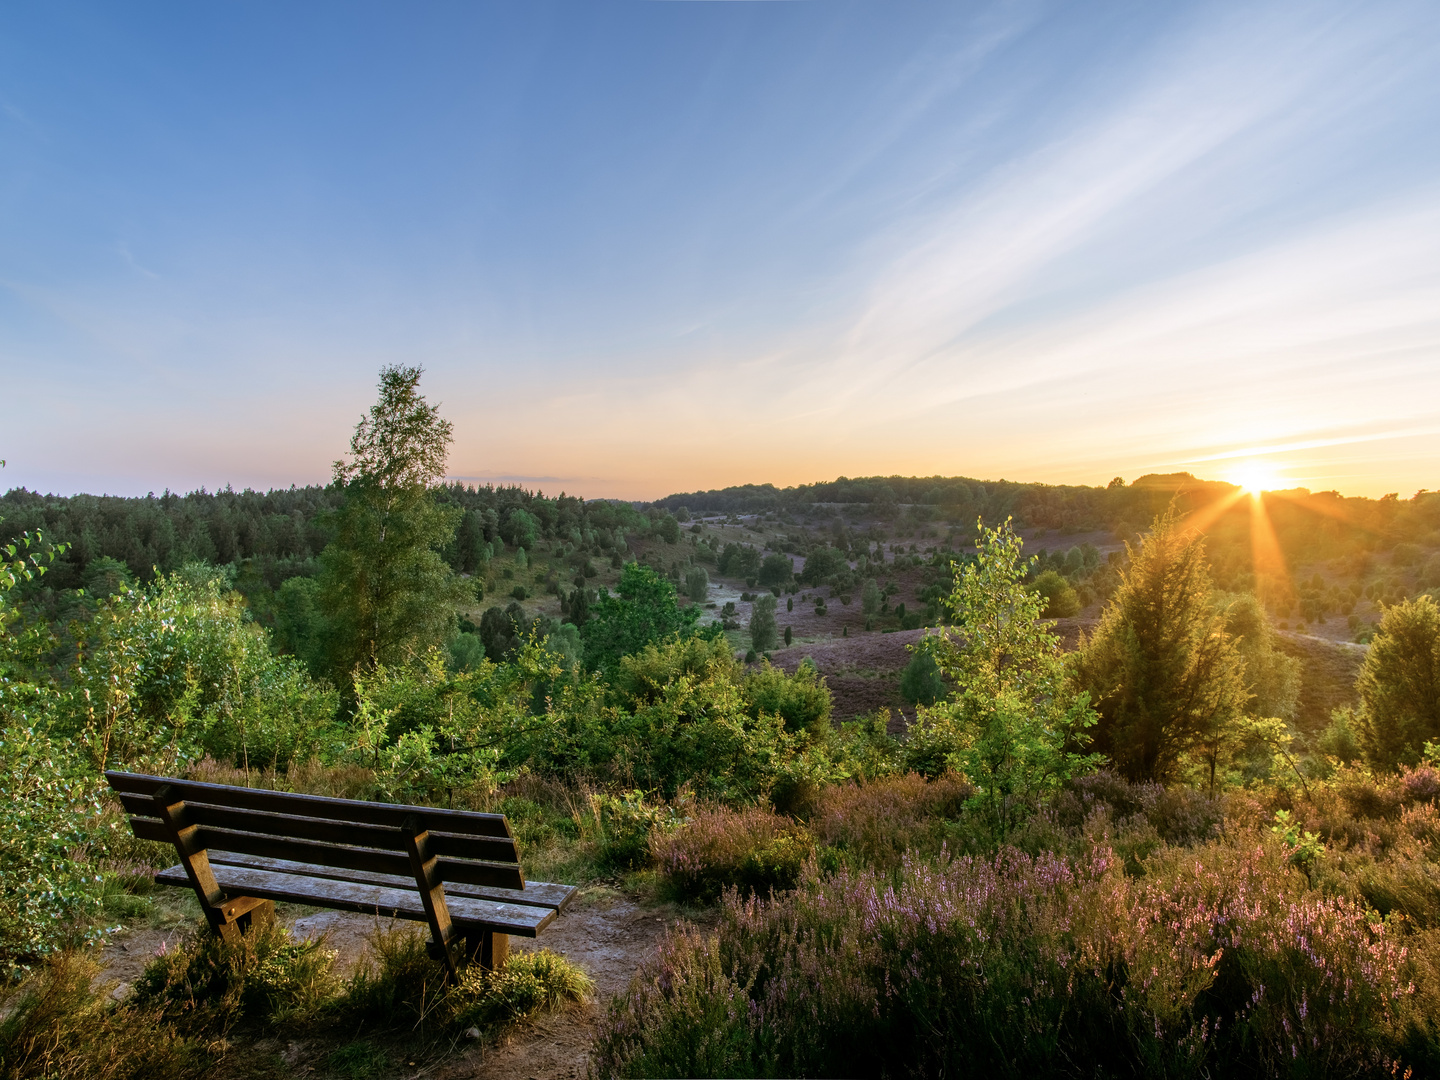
(647, 246)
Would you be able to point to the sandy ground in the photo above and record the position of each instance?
(607, 933)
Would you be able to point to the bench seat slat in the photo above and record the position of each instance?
(535, 894)
(295, 826)
(460, 871)
(389, 815)
(465, 912)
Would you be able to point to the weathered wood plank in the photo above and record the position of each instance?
(295, 826)
(460, 871)
(467, 914)
(534, 894)
(391, 815)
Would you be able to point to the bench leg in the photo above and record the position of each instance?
(489, 949)
(233, 918)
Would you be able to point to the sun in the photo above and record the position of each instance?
(1255, 477)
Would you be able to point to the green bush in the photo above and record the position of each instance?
(399, 987)
(921, 682)
(207, 985)
(528, 983)
(1060, 599)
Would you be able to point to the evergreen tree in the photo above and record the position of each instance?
(1399, 685)
(870, 597)
(1162, 672)
(762, 623)
(385, 589)
(697, 584)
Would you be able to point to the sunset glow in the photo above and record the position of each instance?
(1255, 477)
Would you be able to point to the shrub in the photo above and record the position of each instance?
(697, 584)
(1059, 596)
(206, 985)
(874, 824)
(750, 850)
(66, 1027)
(920, 682)
(624, 824)
(528, 983)
(801, 700)
(1220, 961)
(762, 623)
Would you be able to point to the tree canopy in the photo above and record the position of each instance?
(1163, 673)
(386, 591)
(643, 610)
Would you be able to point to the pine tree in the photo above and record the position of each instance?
(1163, 674)
(1399, 685)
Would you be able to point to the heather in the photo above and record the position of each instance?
(1218, 958)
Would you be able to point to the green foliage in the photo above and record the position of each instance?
(207, 985)
(105, 576)
(697, 584)
(821, 565)
(176, 670)
(1166, 678)
(299, 627)
(775, 570)
(502, 630)
(466, 651)
(870, 598)
(801, 700)
(520, 529)
(385, 589)
(431, 734)
(529, 983)
(739, 560)
(624, 824)
(920, 682)
(398, 986)
(1339, 739)
(49, 811)
(1305, 847)
(1399, 685)
(762, 623)
(1060, 599)
(667, 529)
(675, 715)
(1013, 725)
(642, 612)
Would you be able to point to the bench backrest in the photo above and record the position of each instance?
(453, 845)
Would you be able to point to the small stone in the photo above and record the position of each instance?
(472, 1033)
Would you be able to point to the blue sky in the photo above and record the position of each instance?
(642, 247)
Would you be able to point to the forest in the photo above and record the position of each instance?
(922, 775)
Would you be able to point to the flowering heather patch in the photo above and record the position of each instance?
(1221, 960)
(874, 824)
(753, 850)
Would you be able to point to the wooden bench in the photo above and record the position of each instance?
(241, 849)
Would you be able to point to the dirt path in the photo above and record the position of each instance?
(607, 933)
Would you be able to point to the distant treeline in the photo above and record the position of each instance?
(1309, 525)
(277, 534)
